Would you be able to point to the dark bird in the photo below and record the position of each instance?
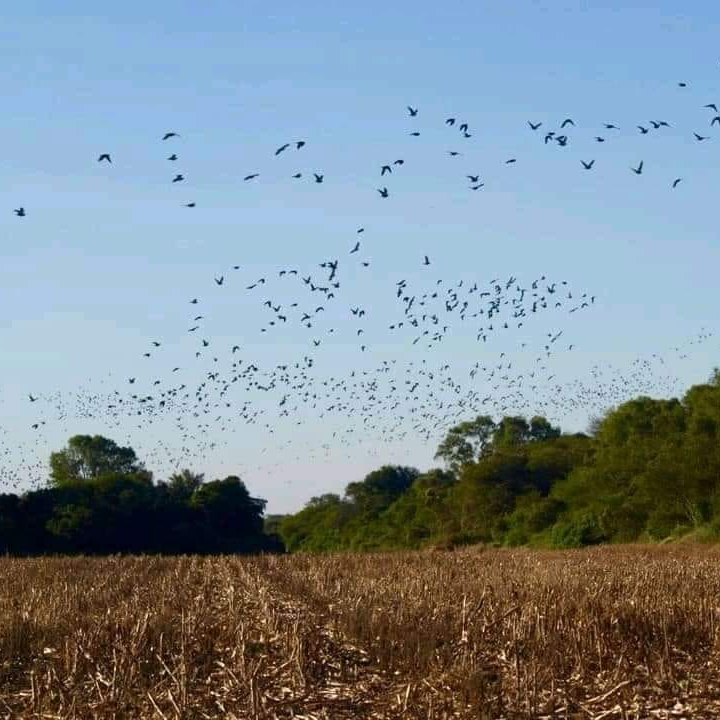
(399, 162)
(251, 177)
(450, 121)
(676, 182)
(356, 248)
(712, 106)
(587, 165)
(464, 128)
(169, 135)
(426, 261)
(297, 175)
(415, 134)
(131, 381)
(534, 126)
(477, 187)
(700, 138)
(194, 301)
(173, 157)
(383, 192)
(682, 84)
(104, 156)
(32, 399)
(473, 178)
(567, 122)
(360, 230)
(716, 119)
(318, 178)
(511, 161)
(299, 144)
(610, 126)
(638, 170)
(453, 153)
(178, 178)
(220, 280)
(385, 169)
(413, 111)
(190, 205)
(282, 148)
(599, 139)
(20, 212)
(643, 130)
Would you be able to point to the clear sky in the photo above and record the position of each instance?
(107, 257)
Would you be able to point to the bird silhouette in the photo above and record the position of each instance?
(169, 135)
(318, 178)
(383, 192)
(282, 148)
(20, 212)
(178, 178)
(587, 165)
(676, 182)
(534, 126)
(106, 157)
(251, 177)
(412, 111)
(638, 170)
(220, 280)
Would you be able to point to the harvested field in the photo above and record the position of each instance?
(627, 632)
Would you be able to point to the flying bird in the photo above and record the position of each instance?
(251, 177)
(169, 135)
(318, 178)
(587, 165)
(700, 138)
(567, 122)
(383, 192)
(106, 157)
(356, 248)
(282, 148)
(676, 182)
(534, 126)
(178, 178)
(20, 212)
(413, 111)
(638, 170)
(220, 280)
(426, 261)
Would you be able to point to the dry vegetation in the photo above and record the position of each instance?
(606, 633)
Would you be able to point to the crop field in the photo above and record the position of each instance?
(623, 632)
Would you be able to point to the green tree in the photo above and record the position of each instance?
(88, 457)
(466, 442)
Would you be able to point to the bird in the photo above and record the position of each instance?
(169, 135)
(399, 162)
(356, 248)
(700, 138)
(587, 165)
(32, 399)
(194, 301)
(178, 178)
(282, 148)
(477, 187)
(676, 182)
(610, 126)
(426, 261)
(453, 153)
(643, 130)
(413, 111)
(473, 178)
(566, 122)
(383, 192)
(599, 139)
(385, 169)
(105, 156)
(220, 280)
(318, 178)
(299, 144)
(450, 121)
(638, 170)
(415, 134)
(534, 126)
(251, 177)
(511, 161)
(20, 212)
(716, 119)
(297, 175)
(190, 205)
(712, 106)
(360, 230)
(173, 157)
(682, 84)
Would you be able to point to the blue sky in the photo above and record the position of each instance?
(107, 258)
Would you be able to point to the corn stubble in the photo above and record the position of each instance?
(626, 632)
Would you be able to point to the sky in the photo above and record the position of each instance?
(107, 258)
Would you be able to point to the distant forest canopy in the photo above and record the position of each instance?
(649, 470)
(100, 499)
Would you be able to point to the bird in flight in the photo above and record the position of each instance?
(567, 122)
(383, 192)
(426, 261)
(587, 165)
(356, 248)
(700, 138)
(534, 126)
(643, 130)
(453, 153)
(20, 212)
(473, 178)
(676, 182)
(251, 177)
(299, 144)
(716, 119)
(413, 111)
(511, 161)
(318, 178)
(415, 134)
(385, 169)
(105, 156)
(220, 280)
(169, 135)
(712, 106)
(638, 170)
(173, 157)
(190, 205)
(450, 121)
(282, 148)
(178, 178)
(32, 399)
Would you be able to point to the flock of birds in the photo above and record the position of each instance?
(219, 387)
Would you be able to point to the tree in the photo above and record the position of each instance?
(88, 457)
(467, 442)
(380, 488)
(183, 484)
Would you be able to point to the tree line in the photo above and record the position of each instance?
(649, 470)
(100, 499)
